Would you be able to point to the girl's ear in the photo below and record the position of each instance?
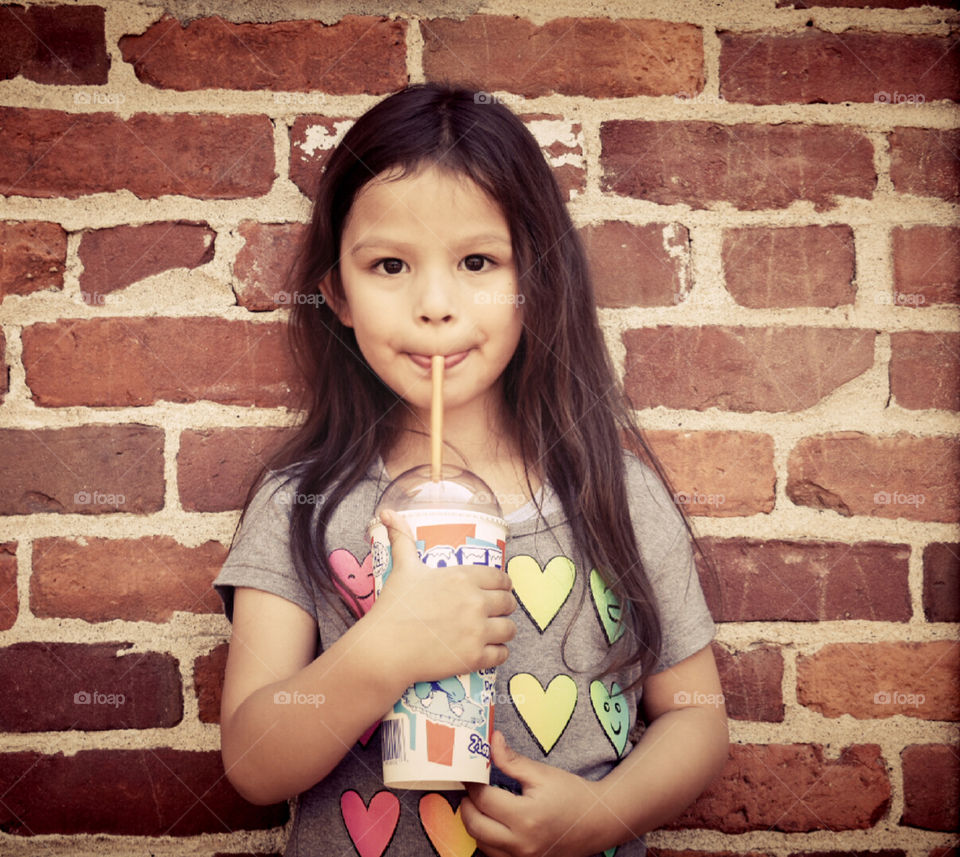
(339, 307)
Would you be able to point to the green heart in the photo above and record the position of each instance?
(541, 592)
(611, 711)
(546, 713)
(608, 607)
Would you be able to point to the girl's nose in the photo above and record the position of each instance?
(435, 300)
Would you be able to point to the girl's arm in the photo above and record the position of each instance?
(288, 719)
(683, 749)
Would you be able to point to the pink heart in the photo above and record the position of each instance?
(370, 829)
(365, 738)
(353, 577)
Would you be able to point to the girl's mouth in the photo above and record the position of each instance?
(449, 360)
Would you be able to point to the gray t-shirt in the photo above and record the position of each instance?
(550, 709)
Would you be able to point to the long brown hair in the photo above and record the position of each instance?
(560, 387)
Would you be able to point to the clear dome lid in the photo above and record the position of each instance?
(456, 489)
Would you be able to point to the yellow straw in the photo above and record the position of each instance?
(436, 417)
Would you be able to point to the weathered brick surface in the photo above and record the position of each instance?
(931, 786)
(149, 792)
(717, 473)
(625, 56)
(790, 265)
(751, 681)
(32, 257)
(780, 580)
(635, 265)
(864, 4)
(48, 153)
(742, 368)
(925, 369)
(139, 361)
(836, 67)
(794, 788)
(312, 139)
(116, 257)
(264, 265)
(919, 680)
(97, 686)
(141, 580)
(9, 600)
(216, 467)
(926, 265)
(749, 166)
(901, 476)
(923, 162)
(358, 54)
(208, 682)
(941, 582)
(85, 470)
(53, 44)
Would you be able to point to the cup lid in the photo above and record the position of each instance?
(456, 489)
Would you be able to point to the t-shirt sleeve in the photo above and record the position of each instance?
(260, 555)
(667, 555)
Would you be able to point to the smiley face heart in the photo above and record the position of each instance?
(611, 710)
(541, 592)
(354, 577)
(607, 606)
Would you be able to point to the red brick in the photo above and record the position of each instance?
(140, 580)
(148, 792)
(48, 153)
(83, 470)
(717, 473)
(9, 601)
(790, 266)
(872, 680)
(595, 57)
(139, 361)
(638, 265)
(264, 265)
(925, 369)
(751, 682)
(97, 688)
(561, 142)
(116, 257)
(792, 581)
(742, 368)
(941, 582)
(931, 785)
(54, 44)
(923, 162)
(794, 788)
(926, 265)
(4, 370)
(216, 467)
(32, 257)
(748, 166)
(900, 476)
(356, 55)
(312, 139)
(832, 68)
(208, 673)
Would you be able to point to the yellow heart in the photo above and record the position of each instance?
(541, 592)
(444, 827)
(545, 712)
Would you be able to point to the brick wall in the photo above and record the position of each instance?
(769, 193)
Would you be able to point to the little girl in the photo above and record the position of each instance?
(438, 228)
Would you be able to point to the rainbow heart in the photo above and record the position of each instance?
(546, 713)
(444, 827)
(608, 607)
(541, 592)
(611, 710)
(370, 828)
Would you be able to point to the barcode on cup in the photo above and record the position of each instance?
(393, 741)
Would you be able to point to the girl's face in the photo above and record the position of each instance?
(427, 268)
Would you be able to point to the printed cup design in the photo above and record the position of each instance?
(437, 736)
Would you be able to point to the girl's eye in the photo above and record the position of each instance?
(475, 262)
(390, 266)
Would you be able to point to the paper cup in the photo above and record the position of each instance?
(437, 736)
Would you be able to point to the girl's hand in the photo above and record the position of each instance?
(551, 816)
(440, 622)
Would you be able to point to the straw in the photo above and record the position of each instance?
(436, 417)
